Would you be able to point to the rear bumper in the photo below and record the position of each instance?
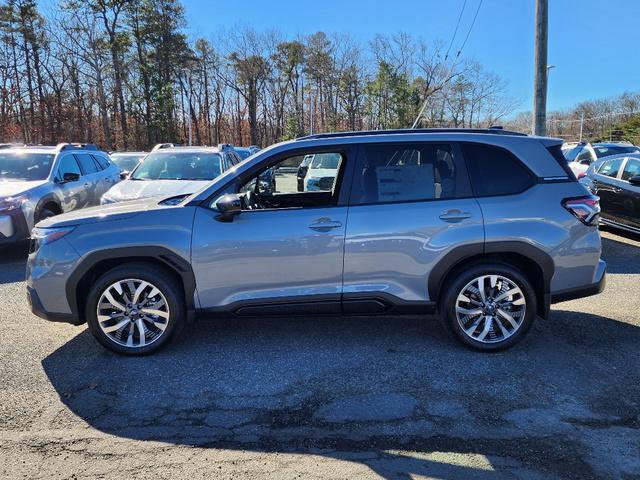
(586, 290)
(38, 309)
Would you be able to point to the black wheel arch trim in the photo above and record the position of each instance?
(170, 259)
(464, 252)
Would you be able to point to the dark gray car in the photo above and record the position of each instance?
(40, 182)
(487, 227)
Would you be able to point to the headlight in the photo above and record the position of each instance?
(11, 203)
(44, 236)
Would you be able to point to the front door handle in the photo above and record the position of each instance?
(324, 224)
(454, 215)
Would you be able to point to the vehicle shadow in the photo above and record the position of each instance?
(396, 387)
(13, 261)
(621, 252)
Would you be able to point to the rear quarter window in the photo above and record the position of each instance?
(495, 171)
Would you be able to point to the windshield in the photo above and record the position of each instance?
(602, 151)
(325, 160)
(126, 161)
(572, 153)
(25, 165)
(178, 166)
(244, 153)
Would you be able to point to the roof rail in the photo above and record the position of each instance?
(160, 146)
(224, 146)
(69, 146)
(492, 130)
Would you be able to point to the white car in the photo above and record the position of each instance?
(322, 172)
(171, 171)
(583, 154)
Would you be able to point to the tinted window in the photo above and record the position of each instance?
(68, 164)
(495, 171)
(602, 151)
(409, 172)
(610, 168)
(631, 169)
(102, 162)
(179, 166)
(25, 165)
(86, 163)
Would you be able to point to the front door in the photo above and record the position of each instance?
(283, 253)
(75, 194)
(630, 194)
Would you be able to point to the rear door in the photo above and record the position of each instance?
(411, 204)
(630, 194)
(90, 176)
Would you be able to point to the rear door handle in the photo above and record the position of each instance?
(454, 215)
(324, 224)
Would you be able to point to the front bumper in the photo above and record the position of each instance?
(39, 310)
(594, 288)
(13, 226)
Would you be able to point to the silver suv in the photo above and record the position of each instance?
(40, 182)
(487, 227)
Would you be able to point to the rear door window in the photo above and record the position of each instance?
(86, 163)
(495, 171)
(409, 173)
(101, 161)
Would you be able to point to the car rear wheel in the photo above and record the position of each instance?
(489, 307)
(135, 309)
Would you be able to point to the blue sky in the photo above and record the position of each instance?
(595, 45)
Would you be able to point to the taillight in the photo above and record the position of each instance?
(585, 209)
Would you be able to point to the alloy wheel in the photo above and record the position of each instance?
(490, 308)
(133, 313)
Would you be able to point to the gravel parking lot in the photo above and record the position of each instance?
(327, 398)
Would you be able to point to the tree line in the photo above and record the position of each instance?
(125, 75)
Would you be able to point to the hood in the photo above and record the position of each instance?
(134, 189)
(103, 213)
(10, 189)
(321, 172)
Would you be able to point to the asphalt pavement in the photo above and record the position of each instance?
(348, 397)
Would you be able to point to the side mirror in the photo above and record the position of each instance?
(124, 174)
(70, 177)
(229, 206)
(635, 180)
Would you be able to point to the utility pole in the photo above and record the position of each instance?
(540, 68)
(581, 124)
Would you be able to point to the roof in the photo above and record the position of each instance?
(410, 131)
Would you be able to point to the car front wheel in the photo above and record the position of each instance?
(489, 307)
(135, 309)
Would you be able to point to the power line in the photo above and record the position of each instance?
(470, 28)
(456, 30)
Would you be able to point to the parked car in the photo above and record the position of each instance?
(170, 171)
(322, 171)
(487, 227)
(584, 154)
(246, 152)
(302, 171)
(616, 180)
(40, 182)
(127, 161)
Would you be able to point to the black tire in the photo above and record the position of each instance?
(455, 285)
(44, 213)
(159, 278)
